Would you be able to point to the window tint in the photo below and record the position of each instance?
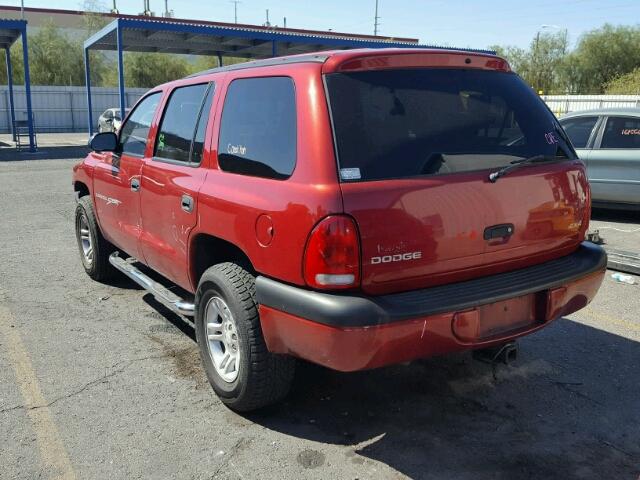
(579, 130)
(198, 141)
(403, 123)
(258, 128)
(134, 133)
(178, 124)
(621, 132)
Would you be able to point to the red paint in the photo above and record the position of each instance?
(350, 349)
(357, 60)
(441, 217)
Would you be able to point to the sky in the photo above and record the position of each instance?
(456, 23)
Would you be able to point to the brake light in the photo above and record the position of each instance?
(332, 255)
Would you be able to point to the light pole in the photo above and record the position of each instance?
(235, 9)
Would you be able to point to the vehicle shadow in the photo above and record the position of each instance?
(610, 215)
(10, 154)
(568, 408)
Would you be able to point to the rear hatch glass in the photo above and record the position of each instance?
(405, 123)
(415, 147)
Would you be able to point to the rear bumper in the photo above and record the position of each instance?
(354, 332)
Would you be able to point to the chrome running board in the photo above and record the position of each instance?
(159, 292)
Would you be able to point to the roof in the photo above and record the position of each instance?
(10, 31)
(208, 38)
(634, 112)
(321, 57)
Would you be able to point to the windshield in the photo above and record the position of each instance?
(405, 123)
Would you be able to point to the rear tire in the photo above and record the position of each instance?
(228, 326)
(94, 249)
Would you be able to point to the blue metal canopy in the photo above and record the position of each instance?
(133, 34)
(10, 32)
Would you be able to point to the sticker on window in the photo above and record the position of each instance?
(350, 173)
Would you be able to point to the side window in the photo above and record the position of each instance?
(134, 133)
(182, 121)
(621, 132)
(579, 130)
(258, 128)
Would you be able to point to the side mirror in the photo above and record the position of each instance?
(104, 142)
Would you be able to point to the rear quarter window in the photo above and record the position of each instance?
(258, 128)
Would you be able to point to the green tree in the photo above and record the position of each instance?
(147, 70)
(541, 65)
(16, 64)
(604, 54)
(627, 84)
(55, 59)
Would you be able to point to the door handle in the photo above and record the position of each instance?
(135, 184)
(187, 203)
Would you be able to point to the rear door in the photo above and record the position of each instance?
(415, 148)
(614, 166)
(116, 179)
(172, 178)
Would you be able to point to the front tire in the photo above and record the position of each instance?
(242, 372)
(94, 249)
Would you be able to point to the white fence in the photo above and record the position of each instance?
(561, 104)
(61, 109)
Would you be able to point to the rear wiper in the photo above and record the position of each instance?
(494, 176)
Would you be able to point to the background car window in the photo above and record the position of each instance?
(621, 132)
(178, 125)
(258, 128)
(134, 133)
(579, 130)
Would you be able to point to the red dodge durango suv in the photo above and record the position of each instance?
(351, 208)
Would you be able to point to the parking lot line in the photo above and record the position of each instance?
(53, 454)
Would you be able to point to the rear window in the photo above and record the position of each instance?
(406, 123)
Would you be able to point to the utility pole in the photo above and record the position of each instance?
(235, 9)
(115, 7)
(22, 9)
(376, 24)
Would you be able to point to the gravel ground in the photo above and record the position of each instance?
(99, 381)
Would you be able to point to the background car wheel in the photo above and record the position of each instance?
(94, 249)
(242, 372)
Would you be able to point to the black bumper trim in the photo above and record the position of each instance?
(344, 310)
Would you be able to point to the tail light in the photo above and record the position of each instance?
(332, 256)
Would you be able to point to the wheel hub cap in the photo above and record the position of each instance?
(85, 240)
(222, 339)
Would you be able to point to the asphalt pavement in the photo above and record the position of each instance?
(99, 381)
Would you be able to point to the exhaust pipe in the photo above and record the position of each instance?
(506, 353)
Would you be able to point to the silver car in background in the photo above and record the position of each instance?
(608, 142)
(110, 120)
